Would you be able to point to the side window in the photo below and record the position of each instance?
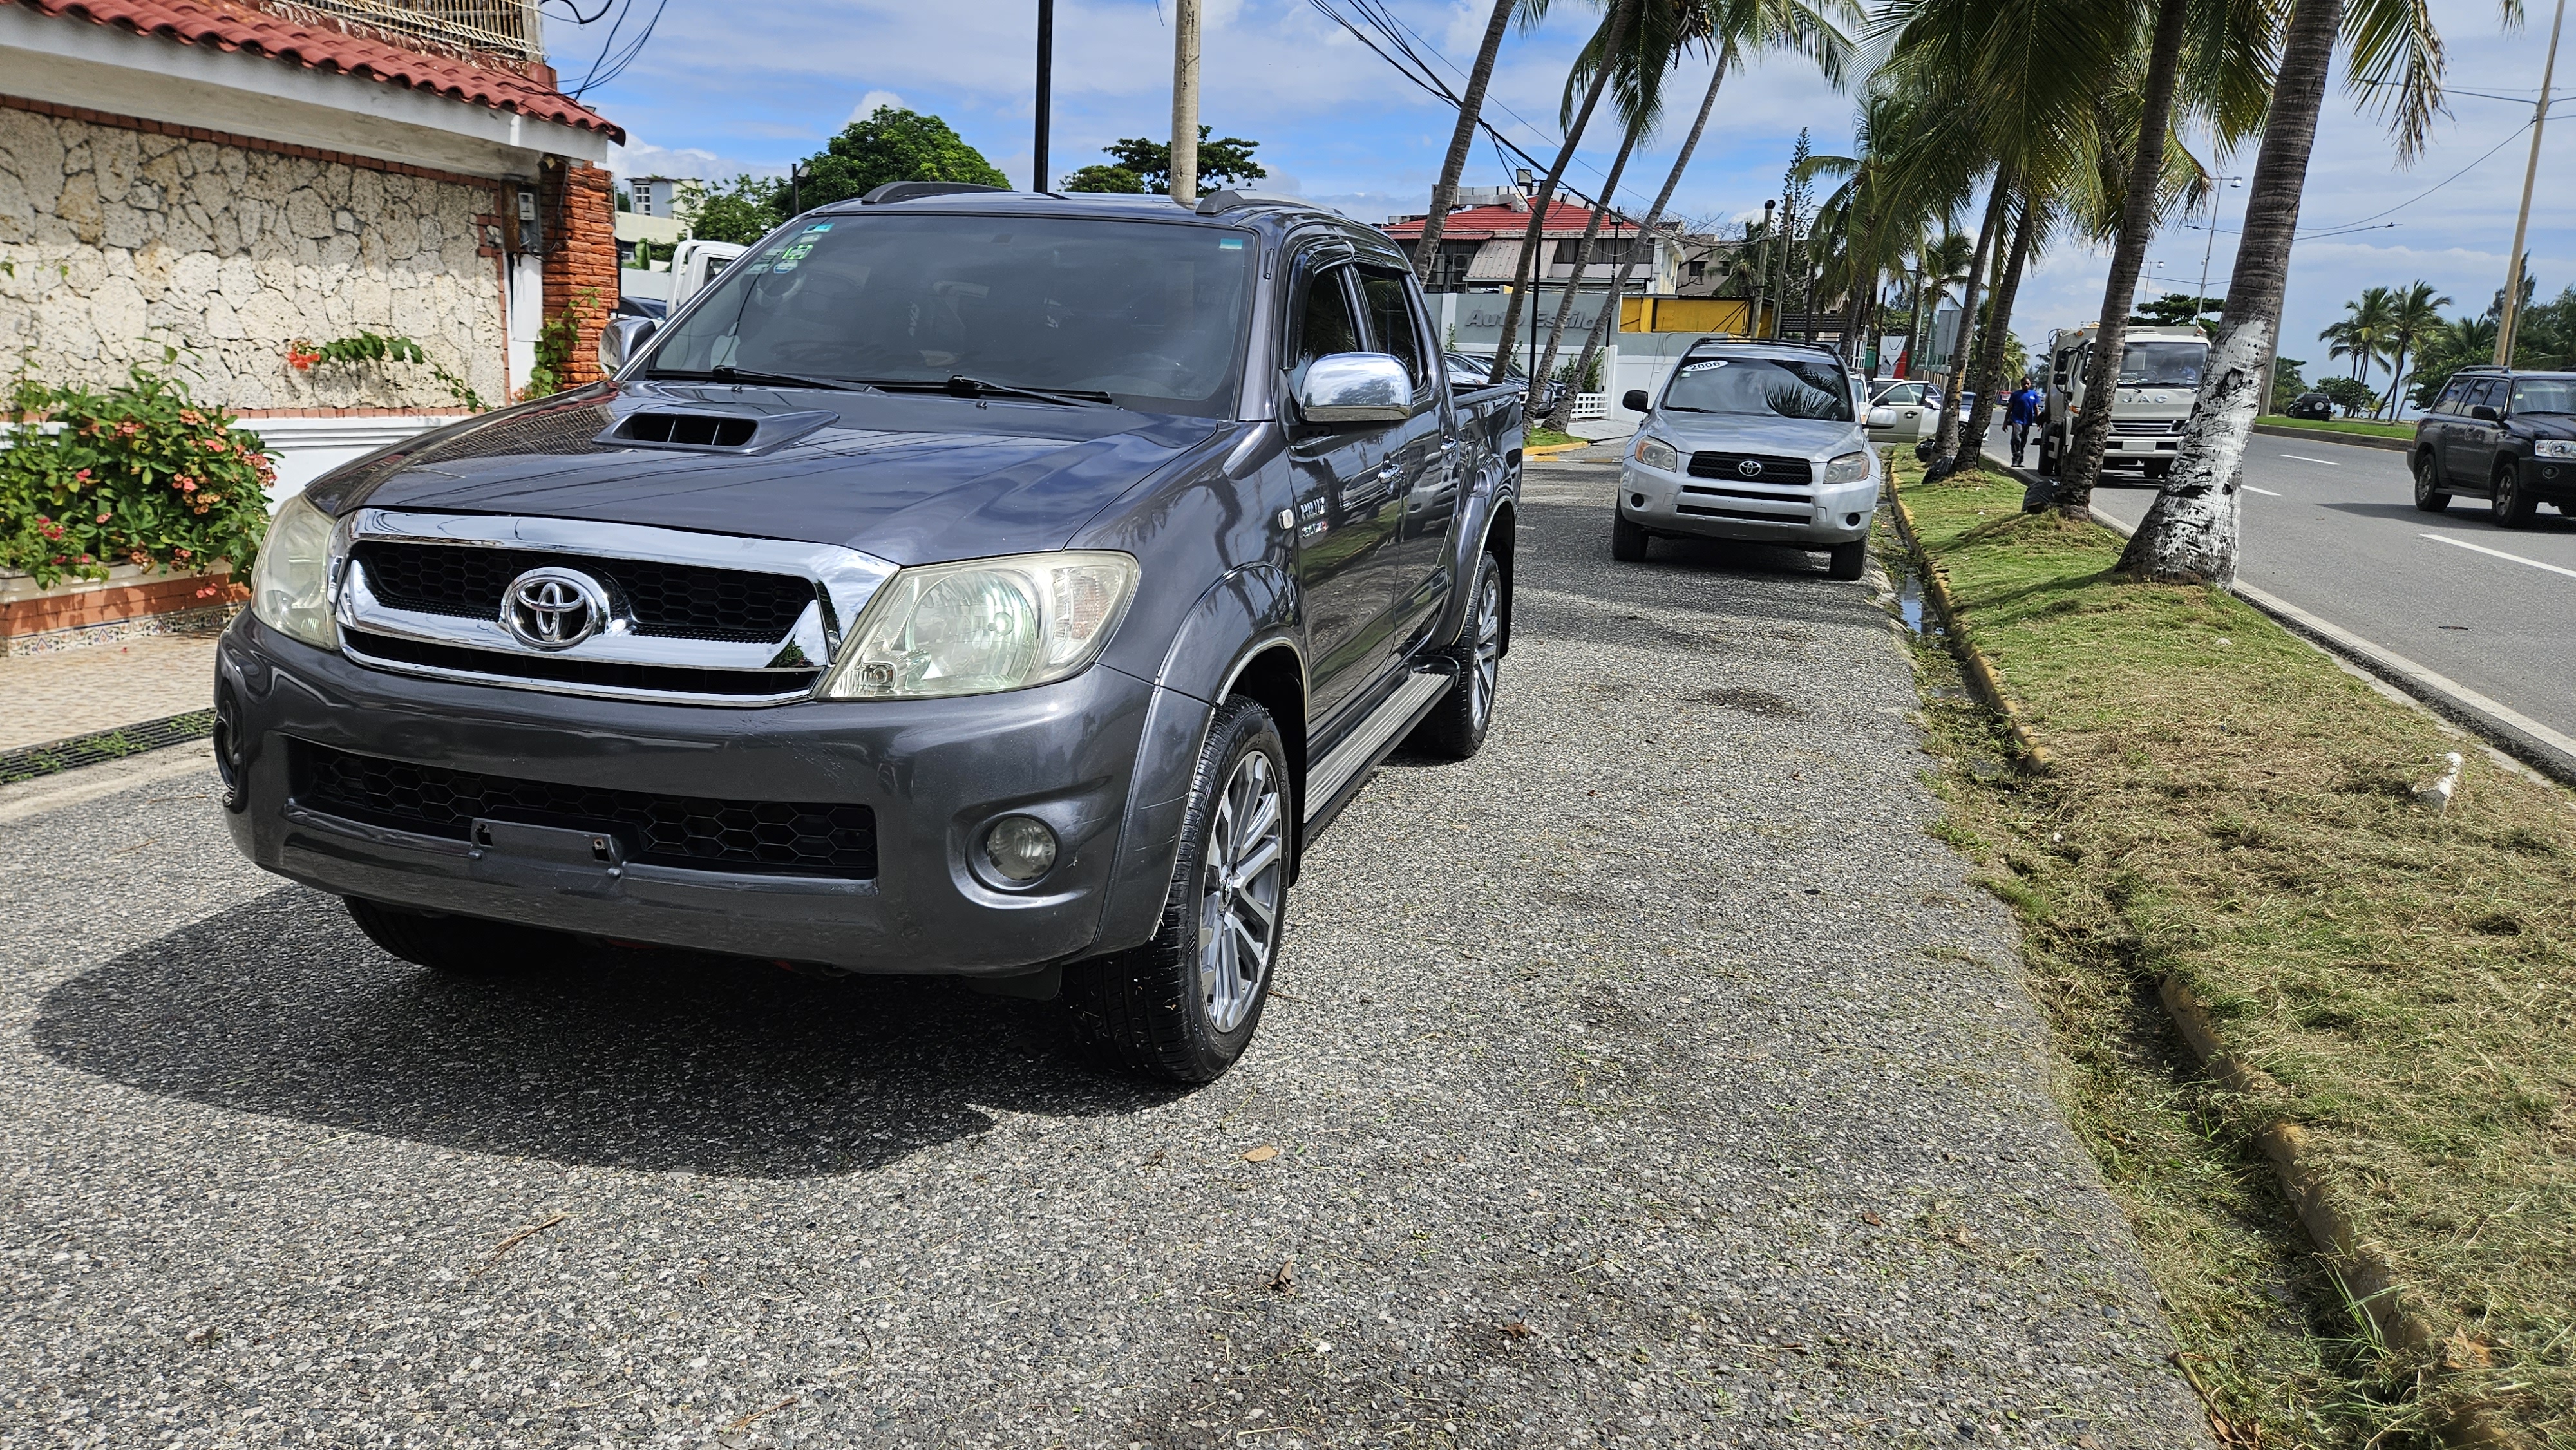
(1390, 318)
(2486, 393)
(1325, 325)
(2451, 400)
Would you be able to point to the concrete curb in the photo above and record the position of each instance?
(2328, 435)
(1552, 451)
(1980, 671)
(2548, 751)
(2366, 1272)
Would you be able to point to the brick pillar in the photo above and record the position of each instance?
(580, 203)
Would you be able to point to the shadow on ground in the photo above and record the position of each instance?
(637, 1060)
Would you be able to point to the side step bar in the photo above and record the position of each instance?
(1375, 736)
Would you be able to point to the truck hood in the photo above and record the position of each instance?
(909, 478)
(1751, 433)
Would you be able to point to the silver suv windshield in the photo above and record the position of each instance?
(1148, 315)
(1765, 387)
(2162, 364)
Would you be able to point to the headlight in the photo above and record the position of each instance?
(984, 625)
(1850, 468)
(1656, 453)
(2554, 448)
(290, 586)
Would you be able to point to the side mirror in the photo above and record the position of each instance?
(620, 339)
(1882, 417)
(2485, 414)
(1355, 387)
(1636, 401)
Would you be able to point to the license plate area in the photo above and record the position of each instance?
(559, 856)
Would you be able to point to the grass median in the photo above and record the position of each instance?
(2230, 808)
(2344, 425)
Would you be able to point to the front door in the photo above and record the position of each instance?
(1425, 462)
(1348, 498)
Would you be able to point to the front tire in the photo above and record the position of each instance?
(2157, 469)
(1846, 561)
(1627, 540)
(1455, 728)
(1183, 1007)
(2429, 494)
(2508, 502)
(2047, 457)
(460, 946)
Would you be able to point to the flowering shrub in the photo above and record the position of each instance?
(136, 474)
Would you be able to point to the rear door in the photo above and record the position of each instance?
(1347, 499)
(2469, 443)
(1906, 401)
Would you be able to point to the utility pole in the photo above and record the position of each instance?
(2207, 246)
(1761, 271)
(795, 188)
(2512, 312)
(1185, 102)
(1046, 88)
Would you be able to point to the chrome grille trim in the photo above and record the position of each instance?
(843, 579)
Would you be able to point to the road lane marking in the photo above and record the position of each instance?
(2499, 553)
(2267, 493)
(2303, 458)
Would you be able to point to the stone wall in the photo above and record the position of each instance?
(121, 239)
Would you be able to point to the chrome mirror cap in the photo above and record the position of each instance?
(1355, 387)
(620, 338)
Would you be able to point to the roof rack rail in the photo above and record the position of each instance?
(894, 191)
(1725, 339)
(1228, 199)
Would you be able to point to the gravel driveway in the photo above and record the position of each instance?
(1650, 1080)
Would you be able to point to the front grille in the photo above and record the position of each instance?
(780, 838)
(2148, 428)
(1771, 467)
(661, 679)
(676, 601)
(1708, 511)
(1794, 500)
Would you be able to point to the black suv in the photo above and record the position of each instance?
(2510, 436)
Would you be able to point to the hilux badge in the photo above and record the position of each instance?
(553, 608)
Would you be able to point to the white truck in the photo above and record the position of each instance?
(2160, 372)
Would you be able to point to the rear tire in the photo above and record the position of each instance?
(1846, 561)
(1184, 1006)
(2509, 504)
(460, 946)
(2047, 457)
(1455, 728)
(1627, 540)
(2429, 494)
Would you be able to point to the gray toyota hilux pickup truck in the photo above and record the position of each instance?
(971, 583)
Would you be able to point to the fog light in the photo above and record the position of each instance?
(1851, 521)
(1020, 849)
(1636, 500)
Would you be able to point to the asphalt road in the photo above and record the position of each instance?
(2334, 530)
(1652, 1079)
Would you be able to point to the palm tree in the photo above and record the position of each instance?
(2363, 333)
(2413, 315)
(1937, 263)
(1611, 40)
(2189, 534)
(1471, 107)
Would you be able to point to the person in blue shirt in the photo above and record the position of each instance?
(2027, 405)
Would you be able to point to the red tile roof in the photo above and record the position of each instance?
(239, 25)
(1487, 222)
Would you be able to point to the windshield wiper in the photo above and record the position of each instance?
(966, 387)
(757, 376)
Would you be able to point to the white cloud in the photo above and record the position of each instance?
(873, 102)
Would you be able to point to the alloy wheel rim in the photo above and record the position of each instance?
(1489, 650)
(1239, 894)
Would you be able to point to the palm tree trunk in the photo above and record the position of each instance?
(1599, 336)
(1470, 106)
(1990, 356)
(1914, 321)
(1525, 276)
(1582, 261)
(1946, 447)
(2189, 534)
(2081, 464)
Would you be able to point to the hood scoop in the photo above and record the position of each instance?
(695, 431)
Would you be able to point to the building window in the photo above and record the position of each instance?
(644, 201)
(1606, 251)
(1449, 269)
(1699, 271)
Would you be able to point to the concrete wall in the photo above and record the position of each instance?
(121, 239)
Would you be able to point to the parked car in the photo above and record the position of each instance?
(695, 263)
(1750, 440)
(2316, 407)
(652, 307)
(1904, 412)
(2507, 436)
(969, 583)
(1469, 373)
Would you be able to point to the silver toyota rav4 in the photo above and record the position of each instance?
(1752, 440)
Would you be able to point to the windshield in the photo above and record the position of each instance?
(1781, 389)
(2162, 364)
(2544, 395)
(1148, 313)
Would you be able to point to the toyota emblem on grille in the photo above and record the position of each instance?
(553, 608)
(1750, 468)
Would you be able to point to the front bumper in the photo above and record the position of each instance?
(935, 773)
(1814, 516)
(2550, 480)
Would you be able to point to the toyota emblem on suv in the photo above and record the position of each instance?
(1750, 468)
(553, 608)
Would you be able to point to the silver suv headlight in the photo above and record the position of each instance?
(290, 586)
(1656, 453)
(1849, 468)
(984, 625)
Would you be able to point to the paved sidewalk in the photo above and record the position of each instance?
(49, 697)
(1651, 1080)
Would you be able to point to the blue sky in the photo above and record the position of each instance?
(727, 87)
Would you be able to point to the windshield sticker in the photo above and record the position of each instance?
(818, 227)
(1230, 244)
(796, 252)
(1701, 367)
